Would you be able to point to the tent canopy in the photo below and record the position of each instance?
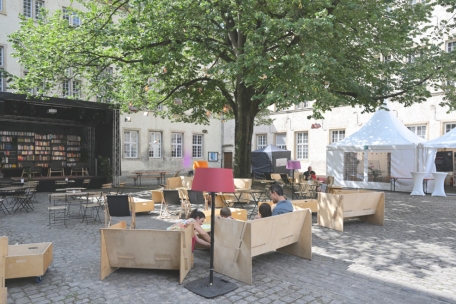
(270, 160)
(383, 131)
(447, 140)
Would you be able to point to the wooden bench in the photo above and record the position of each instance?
(3, 253)
(367, 206)
(237, 214)
(236, 242)
(142, 205)
(145, 249)
(312, 204)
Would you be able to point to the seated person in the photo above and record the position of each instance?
(282, 204)
(197, 218)
(309, 174)
(225, 212)
(264, 211)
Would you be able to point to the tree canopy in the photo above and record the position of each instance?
(241, 56)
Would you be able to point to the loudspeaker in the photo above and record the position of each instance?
(2, 108)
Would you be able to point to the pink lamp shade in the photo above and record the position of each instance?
(293, 164)
(213, 180)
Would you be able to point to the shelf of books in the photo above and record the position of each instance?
(29, 149)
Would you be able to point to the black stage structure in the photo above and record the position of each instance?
(96, 123)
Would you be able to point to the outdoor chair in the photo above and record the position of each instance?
(86, 183)
(171, 198)
(91, 203)
(3, 207)
(186, 205)
(116, 205)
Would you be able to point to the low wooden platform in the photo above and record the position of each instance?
(47, 184)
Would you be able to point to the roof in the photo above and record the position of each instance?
(447, 140)
(384, 131)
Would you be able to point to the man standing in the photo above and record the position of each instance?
(309, 173)
(282, 204)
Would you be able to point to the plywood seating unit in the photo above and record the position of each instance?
(236, 213)
(127, 248)
(312, 204)
(173, 183)
(3, 253)
(142, 205)
(333, 209)
(22, 261)
(289, 233)
(239, 183)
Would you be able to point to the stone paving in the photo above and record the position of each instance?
(412, 259)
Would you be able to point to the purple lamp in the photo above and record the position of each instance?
(293, 165)
(212, 180)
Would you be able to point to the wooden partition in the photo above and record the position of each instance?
(236, 213)
(236, 242)
(173, 183)
(3, 253)
(305, 203)
(333, 209)
(144, 248)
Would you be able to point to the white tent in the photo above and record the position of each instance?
(382, 134)
(429, 149)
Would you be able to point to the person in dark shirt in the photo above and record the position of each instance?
(309, 174)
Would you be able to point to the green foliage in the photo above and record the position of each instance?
(245, 54)
(105, 165)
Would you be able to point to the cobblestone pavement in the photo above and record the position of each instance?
(412, 259)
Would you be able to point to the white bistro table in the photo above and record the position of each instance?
(439, 182)
(418, 178)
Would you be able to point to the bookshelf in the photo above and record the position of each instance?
(29, 149)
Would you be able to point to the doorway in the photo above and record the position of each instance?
(228, 160)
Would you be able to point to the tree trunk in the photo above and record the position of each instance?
(244, 117)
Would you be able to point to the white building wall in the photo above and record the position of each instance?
(144, 124)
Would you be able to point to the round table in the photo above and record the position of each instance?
(439, 182)
(418, 178)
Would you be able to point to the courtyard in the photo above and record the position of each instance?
(411, 259)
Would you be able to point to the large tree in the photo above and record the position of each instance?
(240, 56)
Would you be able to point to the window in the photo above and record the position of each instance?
(303, 105)
(302, 145)
(418, 130)
(281, 141)
(130, 144)
(72, 17)
(31, 8)
(176, 145)
(154, 144)
(2, 9)
(71, 87)
(451, 46)
(449, 126)
(262, 141)
(337, 135)
(197, 146)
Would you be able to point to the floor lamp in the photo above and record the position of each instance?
(293, 165)
(212, 180)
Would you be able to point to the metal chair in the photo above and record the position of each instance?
(57, 214)
(94, 205)
(86, 183)
(3, 207)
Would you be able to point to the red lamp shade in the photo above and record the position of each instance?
(293, 164)
(213, 180)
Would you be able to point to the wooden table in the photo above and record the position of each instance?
(255, 194)
(162, 175)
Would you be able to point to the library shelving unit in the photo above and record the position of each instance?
(58, 149)
(42, 150)
(73, 150)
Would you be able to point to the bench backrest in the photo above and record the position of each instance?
(236, 213)
(146, 248)
(3, 254)
(242, 183)
(173, 183)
